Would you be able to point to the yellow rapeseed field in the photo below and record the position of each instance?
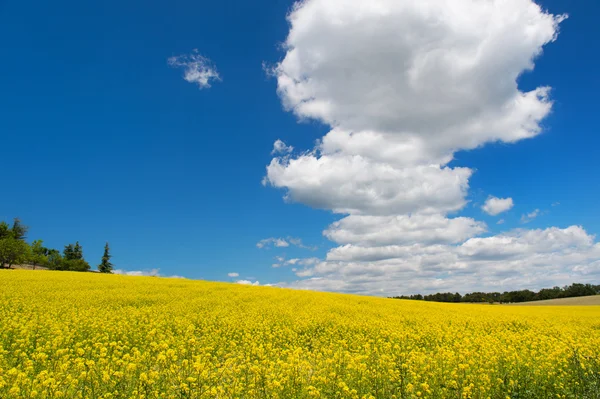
(70, 335)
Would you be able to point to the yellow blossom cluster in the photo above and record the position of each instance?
(84, 335)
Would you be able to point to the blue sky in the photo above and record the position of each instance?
(102, 140)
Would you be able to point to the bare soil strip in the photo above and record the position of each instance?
(593, 300)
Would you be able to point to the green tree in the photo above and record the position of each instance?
(19, 230)
(73, 252)
(13, 252)
(78, 252)
(105, 266)
(577, 289)
(73, 259)
(55, 260)
(549, 293)
(39, 254)
(4, 230)
(75, 265)
(68, 251)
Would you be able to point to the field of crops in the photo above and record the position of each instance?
(70, 335)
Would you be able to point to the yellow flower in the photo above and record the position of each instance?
(72, 335)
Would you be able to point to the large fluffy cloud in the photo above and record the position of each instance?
(402, 229)
(355, 184)
(440, 74)
(404, 84)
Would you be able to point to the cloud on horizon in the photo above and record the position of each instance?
(247, 282)
(146, 272)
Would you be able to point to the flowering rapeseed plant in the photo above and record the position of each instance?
(75, 335)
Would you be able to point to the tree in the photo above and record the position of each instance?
(78, 251)
(549, 293)
(4, 230)
(55, 260)
(39, 254)
(68, 251)
(75, 265)
(105, 266)
(73, 252)
(13, 251)
(73, 259)
(576, 289)
(18, 230)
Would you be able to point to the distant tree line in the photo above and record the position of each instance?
(15, 250)
(568, 291)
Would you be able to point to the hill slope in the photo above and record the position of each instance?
(73, 335)
(592, 300)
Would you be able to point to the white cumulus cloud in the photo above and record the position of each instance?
(494, 205)
(433, 76)
(247, 282)
(517, 259)
(403, 85)
(354, 184)
(147, 272)
(402, 229)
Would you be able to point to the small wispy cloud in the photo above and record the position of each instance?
(279, 147)
(298, 242)
(279, 242)
(526, 218)
(276, 242)
(197, 68)
(233, 274)
(295, 261)
(501, 221)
